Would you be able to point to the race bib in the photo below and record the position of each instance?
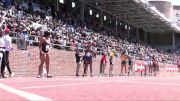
(88, 54)
(47, 47)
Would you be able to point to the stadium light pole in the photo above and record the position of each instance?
(128, 30)
(101, 18)
(145, 37)
(116, 25)
(82, 9)
(173, 39)
(152, 38)
(137, 34)
(56, 5)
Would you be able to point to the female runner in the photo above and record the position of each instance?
(44, 47)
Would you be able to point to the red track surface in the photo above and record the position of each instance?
(96, 88)
(6, 96)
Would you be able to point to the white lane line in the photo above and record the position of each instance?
(26, 95)
(163, 78)
(103, 82)
(150, 78)
(64, 85)
(149, 83)
(52, 80)
(87, 79)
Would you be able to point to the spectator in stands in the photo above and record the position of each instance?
(8, 48)
(44, 47)
(78, 61)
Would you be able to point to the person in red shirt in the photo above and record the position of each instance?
(103, 63)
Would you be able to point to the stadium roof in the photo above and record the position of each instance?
(134, 12)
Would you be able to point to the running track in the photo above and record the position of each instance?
(91, 89)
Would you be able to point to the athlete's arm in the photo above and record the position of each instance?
(40, 43)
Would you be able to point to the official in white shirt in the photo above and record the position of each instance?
(8, 48)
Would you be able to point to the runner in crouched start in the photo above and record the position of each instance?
(44, 47)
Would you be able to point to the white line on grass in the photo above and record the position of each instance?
(64, 85)
(26, 95)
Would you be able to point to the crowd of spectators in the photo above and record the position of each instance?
(29, 21)
(1, 16)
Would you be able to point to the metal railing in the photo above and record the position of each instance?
(22, 43)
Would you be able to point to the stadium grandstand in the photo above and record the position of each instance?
(141, 28)
(118, 39)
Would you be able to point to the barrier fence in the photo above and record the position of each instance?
(33, 40)
(26, 62)
(140, 66)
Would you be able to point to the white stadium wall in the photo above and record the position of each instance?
(163, 6)
(176, 15)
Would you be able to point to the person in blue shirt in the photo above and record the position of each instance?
(89, 54)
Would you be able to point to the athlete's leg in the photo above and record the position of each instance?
(42, 60)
